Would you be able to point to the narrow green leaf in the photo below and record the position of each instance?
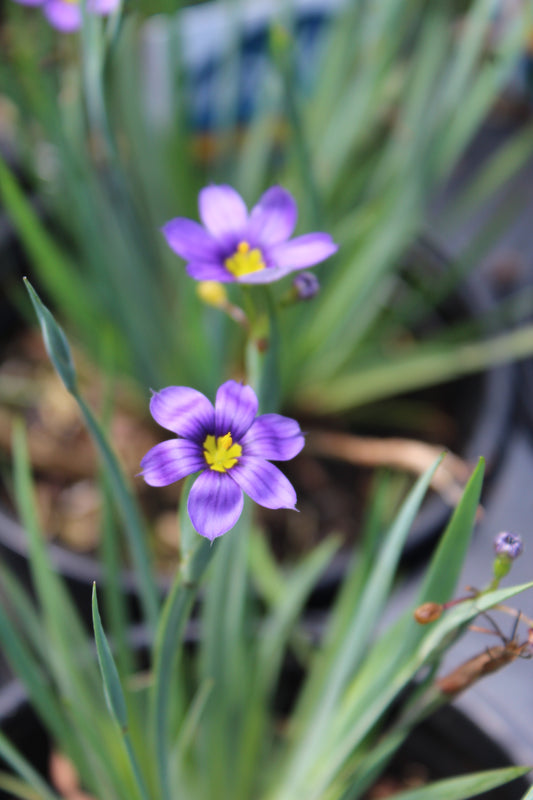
(424, 366)
(58, 274)
(446, 564)
(23, 768)
(360, 710)
(55, 341)
(134, 527)
(114, 695)
(465, 786)
(196, 554)
(529, 794)
(320, 700)
(16, 788)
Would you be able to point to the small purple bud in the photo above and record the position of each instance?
(508, 544)
(306, 285)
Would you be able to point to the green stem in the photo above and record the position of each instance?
(175, 614)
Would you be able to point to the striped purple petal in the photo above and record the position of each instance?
(274, 217)
(170, 461)
(215, 504)
(264, 483)
(223, 212)
(235, 409)
(190, 240)
(184, 411)
(273, 437)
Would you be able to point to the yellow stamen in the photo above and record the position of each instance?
(221, 454)
(243, 261)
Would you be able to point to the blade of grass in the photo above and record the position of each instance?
(357, 716)
(465, 786)
(56, 341)
(196, 554)
(425, 366)
(23, 768)
(114, 695)
(319, 709)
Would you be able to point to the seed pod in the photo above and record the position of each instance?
(428, 612)
(491, 660)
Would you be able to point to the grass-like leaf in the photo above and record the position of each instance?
(114, 695)
(59, 353)
(39, 788)
(465, 786)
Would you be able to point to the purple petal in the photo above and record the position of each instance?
(235, 409)
(268, 275)
(274, 217)
(64, 16)
(209, 272)
(170, 461)
(273, 437)
(215, 504)
(102, 7)
(304, 251)
(263, 482)
(189, 240)
(223, 212)
(184, 411)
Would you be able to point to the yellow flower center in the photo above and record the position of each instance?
(243, 261)
(220, 453)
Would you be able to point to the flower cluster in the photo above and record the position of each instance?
(229, 446)
(236, 246)
(66, 15)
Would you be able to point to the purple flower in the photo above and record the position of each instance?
(234, 245)
(508, 545)
(229, 446)
(66, 15)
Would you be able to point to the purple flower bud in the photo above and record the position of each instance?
(508, 544)
(306, 285)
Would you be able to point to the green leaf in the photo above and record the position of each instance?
(362, 708)
(55, 341)
(529, 794)
(58, 273)
(134, 527)
(114, 695)
(23, 768)
(196, 554)
(320, 700)
(465, 786)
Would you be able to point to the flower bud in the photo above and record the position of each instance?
(306, 286)
(212, 293)
(428, 612)
(508, 544)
